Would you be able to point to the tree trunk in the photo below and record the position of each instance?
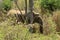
(31, 11)
(30, 5)
(25, 6)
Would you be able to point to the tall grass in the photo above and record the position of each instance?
(56, 18)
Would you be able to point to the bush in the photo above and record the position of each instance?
(50, 5)
(7, 4)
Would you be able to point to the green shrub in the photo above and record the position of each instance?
(7, 4)
(50, 5)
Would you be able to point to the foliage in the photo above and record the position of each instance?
(7, 4)
(50, 5)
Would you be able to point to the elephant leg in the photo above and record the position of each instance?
(40, 22)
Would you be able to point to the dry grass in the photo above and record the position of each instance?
(20, 32)
(48, 25)
(56, 18)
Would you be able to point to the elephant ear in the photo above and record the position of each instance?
(35, 14)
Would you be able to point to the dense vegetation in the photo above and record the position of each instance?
(10, 30)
